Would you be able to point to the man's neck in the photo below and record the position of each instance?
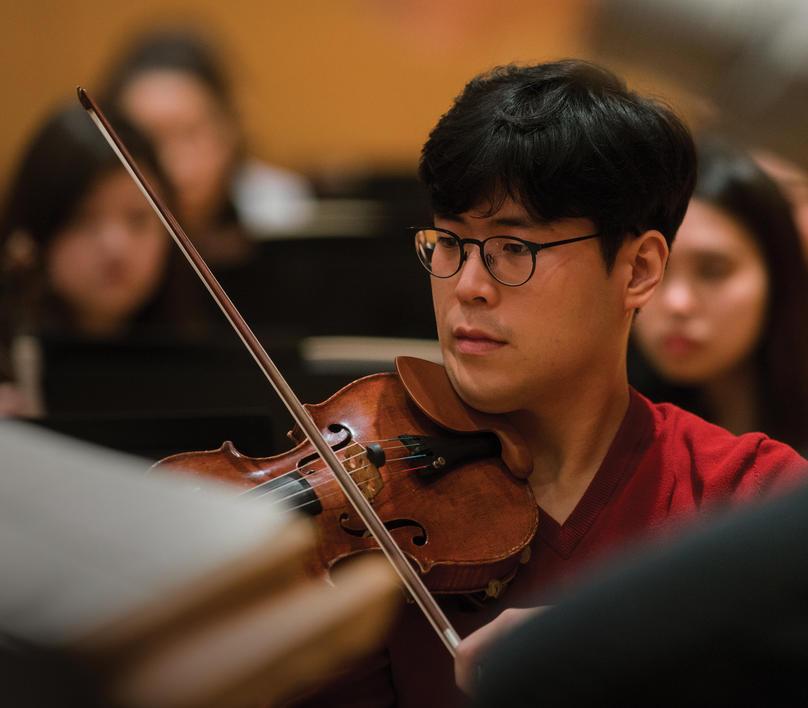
(570, 433)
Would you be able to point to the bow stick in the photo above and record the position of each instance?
(394, 554)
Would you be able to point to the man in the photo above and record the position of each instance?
(556, 195)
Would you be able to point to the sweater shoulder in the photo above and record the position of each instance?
(721, 463)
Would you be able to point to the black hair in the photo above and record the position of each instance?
(565, 139)
(62, 162)
(729, 179)
(171, 50)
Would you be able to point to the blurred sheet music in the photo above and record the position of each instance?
(150, 576)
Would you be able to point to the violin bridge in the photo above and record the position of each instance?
(366, 475)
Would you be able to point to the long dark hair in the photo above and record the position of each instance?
(64, 160)
(729, 179)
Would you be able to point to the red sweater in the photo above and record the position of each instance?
(664, 467)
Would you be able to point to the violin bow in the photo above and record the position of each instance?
(366, 513)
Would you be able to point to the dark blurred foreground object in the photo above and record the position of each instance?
(23, 666)
(749, 58)
(720, 618)
(148, 375)
(125, 590)
(155, 397)
(157, 435)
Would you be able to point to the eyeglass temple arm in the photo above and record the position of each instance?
(541, 246)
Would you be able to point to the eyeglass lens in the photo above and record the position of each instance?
(507, 259)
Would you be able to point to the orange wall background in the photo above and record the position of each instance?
(321, 84)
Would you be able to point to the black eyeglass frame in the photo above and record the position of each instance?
(532, 246)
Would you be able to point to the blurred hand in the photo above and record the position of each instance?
(471, 649)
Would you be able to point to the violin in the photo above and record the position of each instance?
(446, 480)
(432, 483)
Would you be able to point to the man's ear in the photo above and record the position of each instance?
(644, 259)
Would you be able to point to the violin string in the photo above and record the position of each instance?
(309, 469)
(321, 469)
(407, 457)
(358, 484)
(324, 467)
(280, 500)
(351, 473)
(330, 494)
(284, 500)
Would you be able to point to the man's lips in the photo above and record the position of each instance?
(475, 341)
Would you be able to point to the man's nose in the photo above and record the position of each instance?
(474, 282)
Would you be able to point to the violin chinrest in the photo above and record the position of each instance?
(430, 389)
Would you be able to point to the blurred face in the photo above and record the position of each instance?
(708, 313)
(195, 140)
(110, 258)
(506, 347)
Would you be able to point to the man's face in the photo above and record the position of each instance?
(505, 347)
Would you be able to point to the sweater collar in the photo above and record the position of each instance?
(619, 463)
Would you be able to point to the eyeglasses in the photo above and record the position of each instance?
(510, 260)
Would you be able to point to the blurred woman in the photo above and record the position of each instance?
(81, 252)
(726, 334)
(171, 85)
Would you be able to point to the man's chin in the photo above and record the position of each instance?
(487, 398)
(486, 402)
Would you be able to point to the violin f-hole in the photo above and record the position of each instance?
(418, 539)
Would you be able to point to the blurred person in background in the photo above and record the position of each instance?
(172, 86)
(726, 333)
(81, 252)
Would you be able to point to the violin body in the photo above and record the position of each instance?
(465, 526)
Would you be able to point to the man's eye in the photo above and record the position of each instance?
(514, 248)
(446, 242)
